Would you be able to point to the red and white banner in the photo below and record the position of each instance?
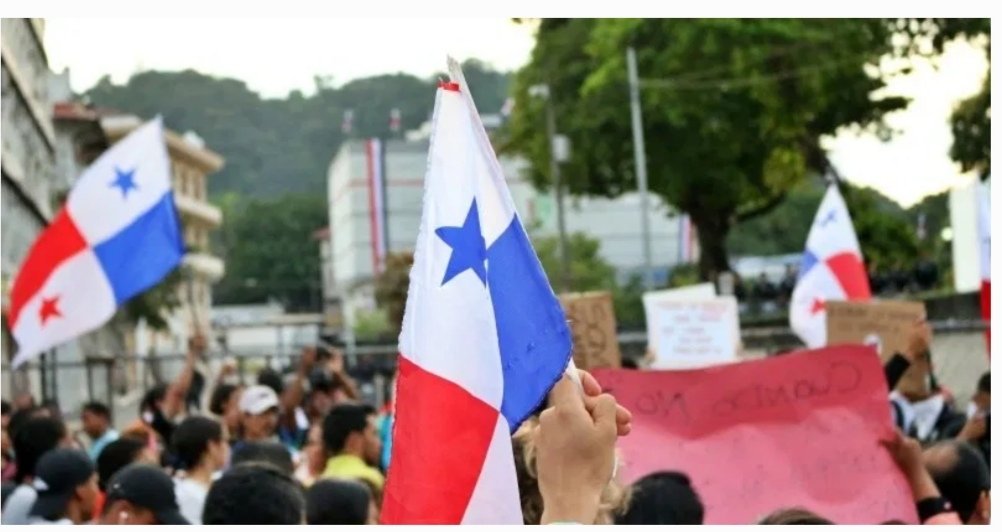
(376, 181)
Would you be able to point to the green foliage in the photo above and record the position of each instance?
(886, 236)
(371, 325)
(270, 252)
(683, 275)
(589, 271)
(155, 304)
(391, 288)
(275, 146)
(784, 229)
(735, 127)
(627, 301)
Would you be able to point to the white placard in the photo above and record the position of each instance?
(693, 333)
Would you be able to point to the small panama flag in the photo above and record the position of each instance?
(117, 235)
(831, 270)
(483, 340)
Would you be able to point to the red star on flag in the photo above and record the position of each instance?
(49, 309)
(817, 306)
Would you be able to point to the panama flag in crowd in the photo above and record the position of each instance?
(117, 235)
(831, 270)
(483, 340)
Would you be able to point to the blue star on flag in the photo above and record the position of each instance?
(125, 180)
(469, 251)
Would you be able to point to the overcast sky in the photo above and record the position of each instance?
(276, 56)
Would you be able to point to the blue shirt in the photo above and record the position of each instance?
(109, 436)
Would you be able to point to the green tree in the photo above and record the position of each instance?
(886, 235)
(589, 271)
(270, 252)
(391, 288)
(275, 146)
(732, 126)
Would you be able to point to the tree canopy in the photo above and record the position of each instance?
(733, 110)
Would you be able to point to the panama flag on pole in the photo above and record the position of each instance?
(117, 235)
(831, 270)
(483, 339)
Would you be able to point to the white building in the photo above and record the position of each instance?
(350, 256)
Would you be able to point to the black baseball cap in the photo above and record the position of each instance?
(148, 487)
(58, 473)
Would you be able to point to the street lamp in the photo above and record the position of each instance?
(559, 152)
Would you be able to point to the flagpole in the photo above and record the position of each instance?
(641, 162)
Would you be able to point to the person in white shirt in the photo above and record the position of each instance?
(201, 447)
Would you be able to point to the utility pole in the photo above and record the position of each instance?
(543, 91)
(641, 163)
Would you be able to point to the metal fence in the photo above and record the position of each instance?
(959, 358)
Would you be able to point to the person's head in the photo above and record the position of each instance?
(225, 403)
(24, 401)
(983, 395)
(350, 428)
(272, 379)
(153, 400)
(95, 418)
(663, 498)
(794, 516)
(141, 494)
(314, 450)
(268, 452)
(339, 502)
(6, 410)
(199, 443)
(524, 450)
(254, 494)
(259, 413)
(120, 453)
(66, 484)
(962, 476)
(35, 437)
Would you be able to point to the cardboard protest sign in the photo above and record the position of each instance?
(794, 430)
(692, 333)
(883, 325)
(593, 329)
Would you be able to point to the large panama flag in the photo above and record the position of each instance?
(483, 340)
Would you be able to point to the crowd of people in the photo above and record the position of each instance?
(300, 447)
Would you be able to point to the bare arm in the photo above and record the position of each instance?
(174, 402)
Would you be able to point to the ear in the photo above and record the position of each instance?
(984, 507)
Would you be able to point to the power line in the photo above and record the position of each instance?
(731, 83)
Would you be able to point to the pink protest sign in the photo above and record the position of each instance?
(795, 430)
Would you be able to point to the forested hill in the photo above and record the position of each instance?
(277, 146)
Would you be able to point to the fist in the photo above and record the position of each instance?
(905, 451)
(919, 339)
(197, 344)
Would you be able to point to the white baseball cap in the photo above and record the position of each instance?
(258, 399)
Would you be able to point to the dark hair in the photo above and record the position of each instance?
(5, 408)
(220, 396)
(794, 516)
(663, 498)
(342, 420)
(630, 363)
(268, 452)
(337, 502)
(115, 456)
(272, 379)
(191, 439)
(35, 437)
(962, 478)
(254, 494)
(985, 383)
(19, 417)
(98, 409)
(153, 396)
